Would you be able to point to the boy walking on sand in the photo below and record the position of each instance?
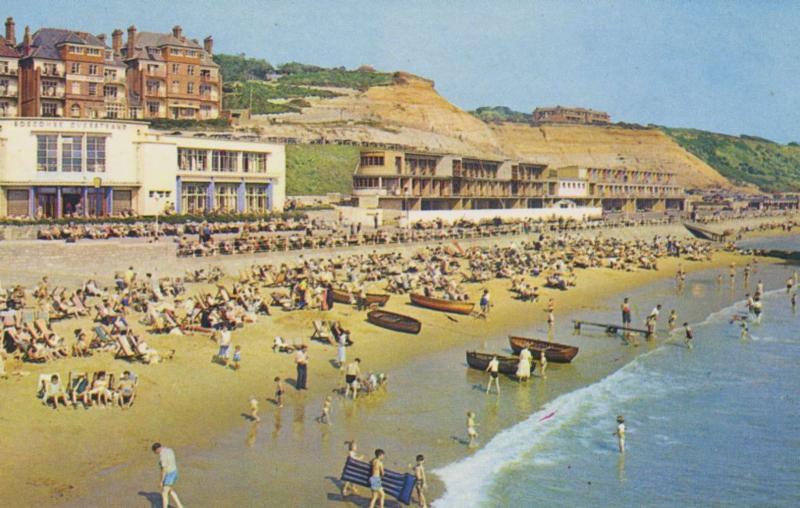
(485, 304)
(237, 357)
(325, 417)
(169, 474)
(376, 479)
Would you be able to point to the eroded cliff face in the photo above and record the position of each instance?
(410, 112)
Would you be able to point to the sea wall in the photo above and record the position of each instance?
(451, 216)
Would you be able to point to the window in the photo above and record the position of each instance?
(4, 67)
(46, 152)
(205, 90)
(153, 69)
(153, 108)
(92, 51)
(223, 161)
(110, 74)
(5, 109)
(176, 86)
(49, 88)
(96, 153)
(75, 111)
(253, 162)
(205, 74)
(372, 160)
(75, 50)
(49, 109)
(192, 159)
(94, 70)
(190, 70)
(4, 86)
(93, 89)
(75, 88)
(153, 86)
(193, 196)
(110, 91)
(71, 153)
(75, 68)
(191, 52)
(256, 200)
(190, 88)
(114, 110)
(225, 197)
(176, 68)
(174, 51)
(50, 69)
(205, 111)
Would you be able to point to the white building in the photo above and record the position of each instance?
(58, 167)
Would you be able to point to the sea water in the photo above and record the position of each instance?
(718, 425)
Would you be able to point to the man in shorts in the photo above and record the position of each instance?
(169, 474)
(376, 479)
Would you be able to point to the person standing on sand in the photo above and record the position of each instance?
(279, 391)
(169, 474)
(351, 375)
(673, 318)
(625, 308)
(254, 409)
(620, 433)
(301, 361)
(376, 479)
(341, 351)
(688, 334)
(485, 304)
(419, 474)
(493, 369)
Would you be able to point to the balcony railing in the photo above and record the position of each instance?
(8, 92)
(8, 71)
(55, 73)
(157, 92)
(52, 93)
(209, 78)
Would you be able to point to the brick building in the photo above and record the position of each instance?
(560, 114)
(66, 73)
(9, 72)
(172, 76)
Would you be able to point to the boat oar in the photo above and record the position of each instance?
(451, 318)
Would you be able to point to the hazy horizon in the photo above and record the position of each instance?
(721, 66)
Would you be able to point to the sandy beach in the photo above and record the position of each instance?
(101, 457)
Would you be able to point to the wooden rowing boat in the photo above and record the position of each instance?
(703, 233)
(480, 361)
(554, 352)
(441, 304)
(341, 296)
(394, 321)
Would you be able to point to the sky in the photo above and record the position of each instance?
(726, 66)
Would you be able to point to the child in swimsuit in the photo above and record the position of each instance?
(237, 357)
(419, 474)
(472, 434)
(376, 479)
(278, 392)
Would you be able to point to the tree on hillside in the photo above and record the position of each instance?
(298, 68)
(241, 68)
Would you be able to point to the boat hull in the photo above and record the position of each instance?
(480, 361)
(394, 321)
(441, 304)
(554, 352)
(340, 296)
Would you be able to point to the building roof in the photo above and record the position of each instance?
(45, 42)
(6, 49)
(147, 46)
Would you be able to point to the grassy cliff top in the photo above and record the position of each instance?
(744, 159)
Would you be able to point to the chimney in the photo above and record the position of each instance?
(208, 44)
(131, 41)
(26, 41)
(116, 41)
(11, 35)
(177, 31)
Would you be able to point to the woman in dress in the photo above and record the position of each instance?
(524, 366)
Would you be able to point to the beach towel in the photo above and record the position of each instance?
(399, 486)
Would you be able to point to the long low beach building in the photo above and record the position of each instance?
(55, 168)
(413, 181)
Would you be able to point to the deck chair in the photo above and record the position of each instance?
(322, 332)
(124, 349)
(44, 383)
(102, 335)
